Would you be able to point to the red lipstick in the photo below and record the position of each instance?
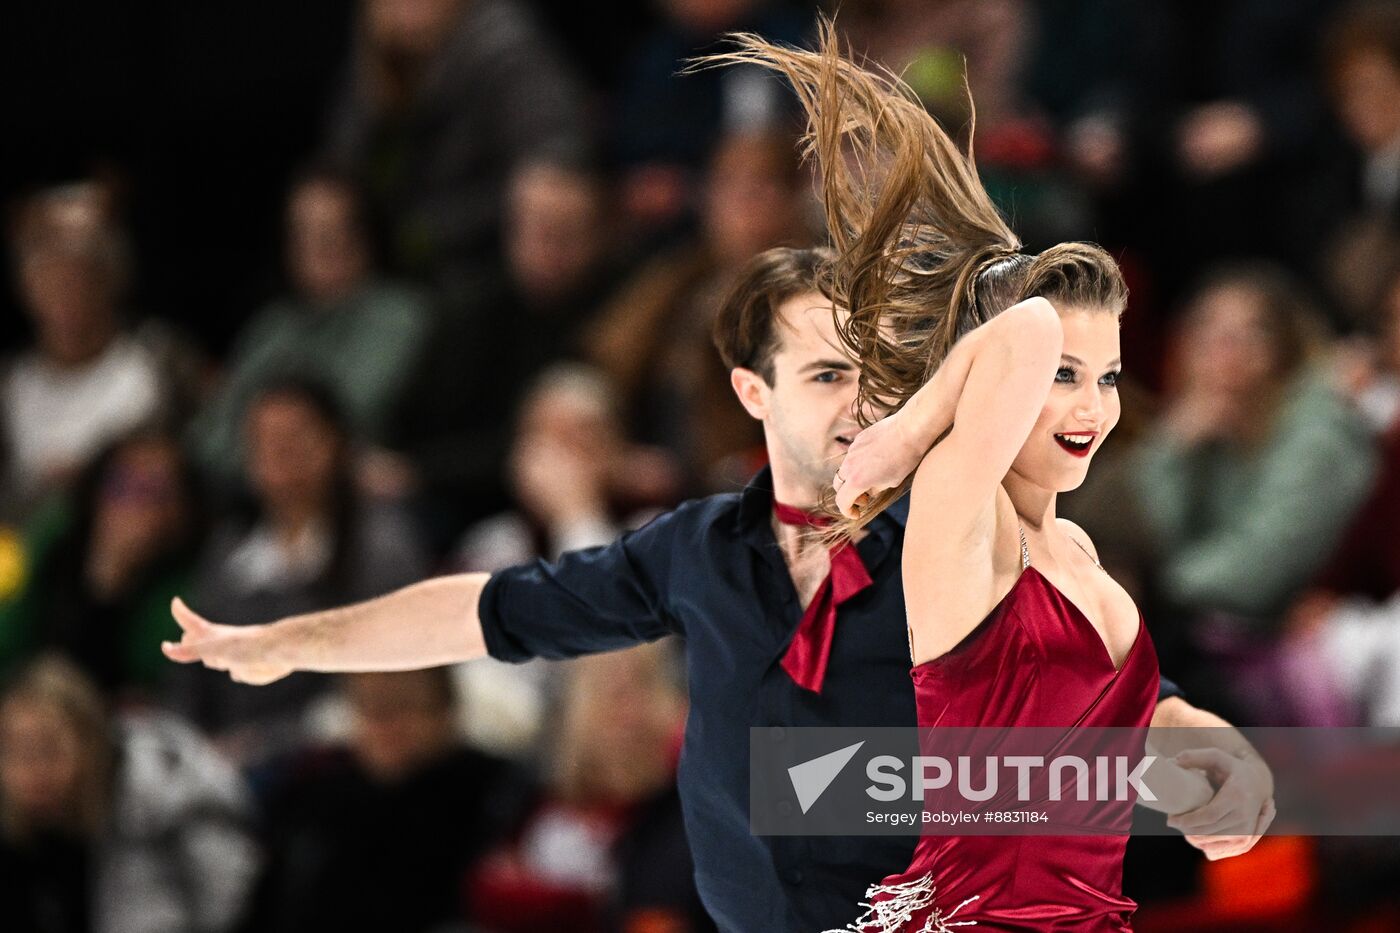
(1077, 443)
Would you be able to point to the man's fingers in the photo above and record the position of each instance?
(1208, 814)
(1220, 816)
(1207, 759)
(1219, 847)
(180, 651)
(189, 620)
(1226, 822)
(1266, 817)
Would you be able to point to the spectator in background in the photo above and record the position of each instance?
(653, 336)
(1209, 116)
(577, 483)
(378, 834)
(339, 324)
(1350, 618)
(307, 542)
(1257, 464)
(575, 477)
(954, 51)
(103, 563)
(1362, 73)
(87, 379)
(666, 125)
(559, 237)
(444, 99)
(132, 825)
(604, 847)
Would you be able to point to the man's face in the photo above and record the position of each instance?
(807, 409)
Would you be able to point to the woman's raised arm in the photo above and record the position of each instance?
(1014, 357)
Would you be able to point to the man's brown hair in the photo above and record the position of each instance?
(746, 332)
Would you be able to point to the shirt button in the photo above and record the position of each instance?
(777, 733)
(784, 808)
(794, 876)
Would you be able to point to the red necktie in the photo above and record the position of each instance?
(805, 660)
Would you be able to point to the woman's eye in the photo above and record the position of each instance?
(1064, 374)
(1110, 380)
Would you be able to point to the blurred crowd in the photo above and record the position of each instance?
(457, 316)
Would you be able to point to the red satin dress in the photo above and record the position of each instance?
(1036, 660)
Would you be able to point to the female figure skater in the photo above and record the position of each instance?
(1000, 370)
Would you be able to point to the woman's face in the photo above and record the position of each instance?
(40, 760)
(748, 202)
(140, 501)
(70, 301)
(400, 721)
(327, 255)
(1228, 346)
(1082, 407)
(292, 452)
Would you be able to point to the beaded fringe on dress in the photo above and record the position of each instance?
(894, 913)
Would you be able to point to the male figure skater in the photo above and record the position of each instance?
(777, 633)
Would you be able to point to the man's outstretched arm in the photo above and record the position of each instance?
(426, 624)
(596, 599)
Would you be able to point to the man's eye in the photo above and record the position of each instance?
(829, 375)
(1064, 374)
(1110, 380)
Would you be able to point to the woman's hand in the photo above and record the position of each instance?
(881, 457)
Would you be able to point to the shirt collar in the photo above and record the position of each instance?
(756, 504)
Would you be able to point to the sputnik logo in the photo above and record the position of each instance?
(811, 778)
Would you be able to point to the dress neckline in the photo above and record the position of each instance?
(1074, 609)
(1093, 631)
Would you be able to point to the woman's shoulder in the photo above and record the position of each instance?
(1079, 536)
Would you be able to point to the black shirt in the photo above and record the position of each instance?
(711, 571)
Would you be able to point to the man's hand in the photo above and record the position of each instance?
(244, 651)
(1239, 813)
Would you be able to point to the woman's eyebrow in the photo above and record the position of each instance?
(1116, 361)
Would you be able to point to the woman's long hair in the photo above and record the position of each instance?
(54, 684)
(923, 256)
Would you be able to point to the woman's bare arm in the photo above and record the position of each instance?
(887, 452)
(426, 624)
(948, 551)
